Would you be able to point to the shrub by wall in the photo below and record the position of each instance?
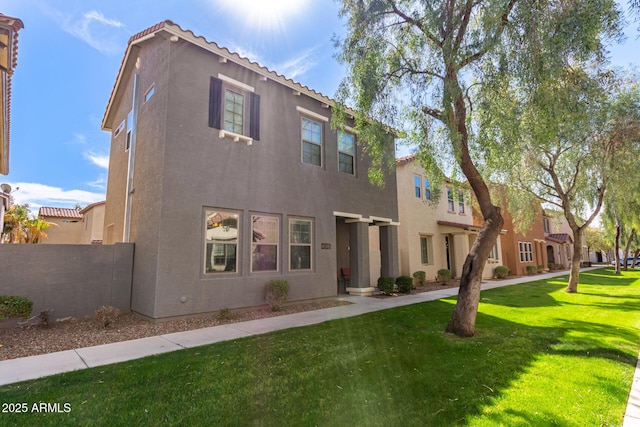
(405, 284)
(277, 292)
(443, 276)
(386, 284)
(501, 272)
(420, 277)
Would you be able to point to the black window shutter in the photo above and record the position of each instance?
(254, 117)
(215, 103)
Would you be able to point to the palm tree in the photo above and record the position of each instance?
(19, 228)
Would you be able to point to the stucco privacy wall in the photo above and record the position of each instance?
(73, 280)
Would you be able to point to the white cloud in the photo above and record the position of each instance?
(100, 183)
(299, 65)
(98, 160)
(290, 68)
(93, 28)
(38, 195)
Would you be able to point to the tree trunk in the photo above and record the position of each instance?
(616, 255)
(463, 319)
(576, 260)
(627, 248)
(635, 258)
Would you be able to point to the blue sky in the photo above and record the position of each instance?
(70, 52)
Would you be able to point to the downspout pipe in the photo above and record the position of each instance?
(132, 154)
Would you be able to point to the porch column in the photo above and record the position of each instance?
(359, 258)
(390, 259)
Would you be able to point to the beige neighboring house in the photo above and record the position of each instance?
(9, 28)
(93, 223)
(433, 236)
(559, 240)
(67, 228)
(74, 226)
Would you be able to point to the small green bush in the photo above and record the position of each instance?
(443, 276)
(386, 284)
(532, 269)
(501, 272)
(106, 315)
(420, 277)
(15, 306)
(405, 284)
(277, 292)
(540, 268)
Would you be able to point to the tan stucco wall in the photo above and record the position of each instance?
(419, 217)
(93, 224)
(63, 231)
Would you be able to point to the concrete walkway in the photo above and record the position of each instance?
(28, 368)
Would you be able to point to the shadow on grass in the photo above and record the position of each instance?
(389, 368)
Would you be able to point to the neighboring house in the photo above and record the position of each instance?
(434, 236)
(66, 228)
(9, 28)
(93, 223)
(559, 240)
(521, 249)
(227, 175)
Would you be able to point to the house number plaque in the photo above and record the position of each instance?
(325, 246)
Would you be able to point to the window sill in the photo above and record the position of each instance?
(235, 136)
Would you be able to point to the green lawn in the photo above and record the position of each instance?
(541, 357)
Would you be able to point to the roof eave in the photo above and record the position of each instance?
(175, 30)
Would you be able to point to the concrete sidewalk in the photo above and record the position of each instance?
(27, 368)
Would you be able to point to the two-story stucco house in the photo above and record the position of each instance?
(559, 240)
(523, 248)
(434, 235)
(227, 175)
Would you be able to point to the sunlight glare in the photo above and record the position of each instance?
(265, 14)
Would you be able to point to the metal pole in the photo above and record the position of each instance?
(132, 154)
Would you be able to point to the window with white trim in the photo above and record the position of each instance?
(118, 130)
(525, 250)
(234, 108)
(300, 244)
(494, 251)
(426, 248)
(346, 152)
(149, 94)
(233, 112)
(265, 231)
(460, 202)
(417, 185)
(221, 229)
(450, 201)
(311, 142)
(546, 225)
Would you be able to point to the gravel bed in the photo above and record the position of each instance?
(75, 333)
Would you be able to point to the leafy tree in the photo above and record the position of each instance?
(418, 64)
(596, 241)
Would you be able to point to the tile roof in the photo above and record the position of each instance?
(559, 237)
(406, 159)
(44, 212)
(175, 29)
